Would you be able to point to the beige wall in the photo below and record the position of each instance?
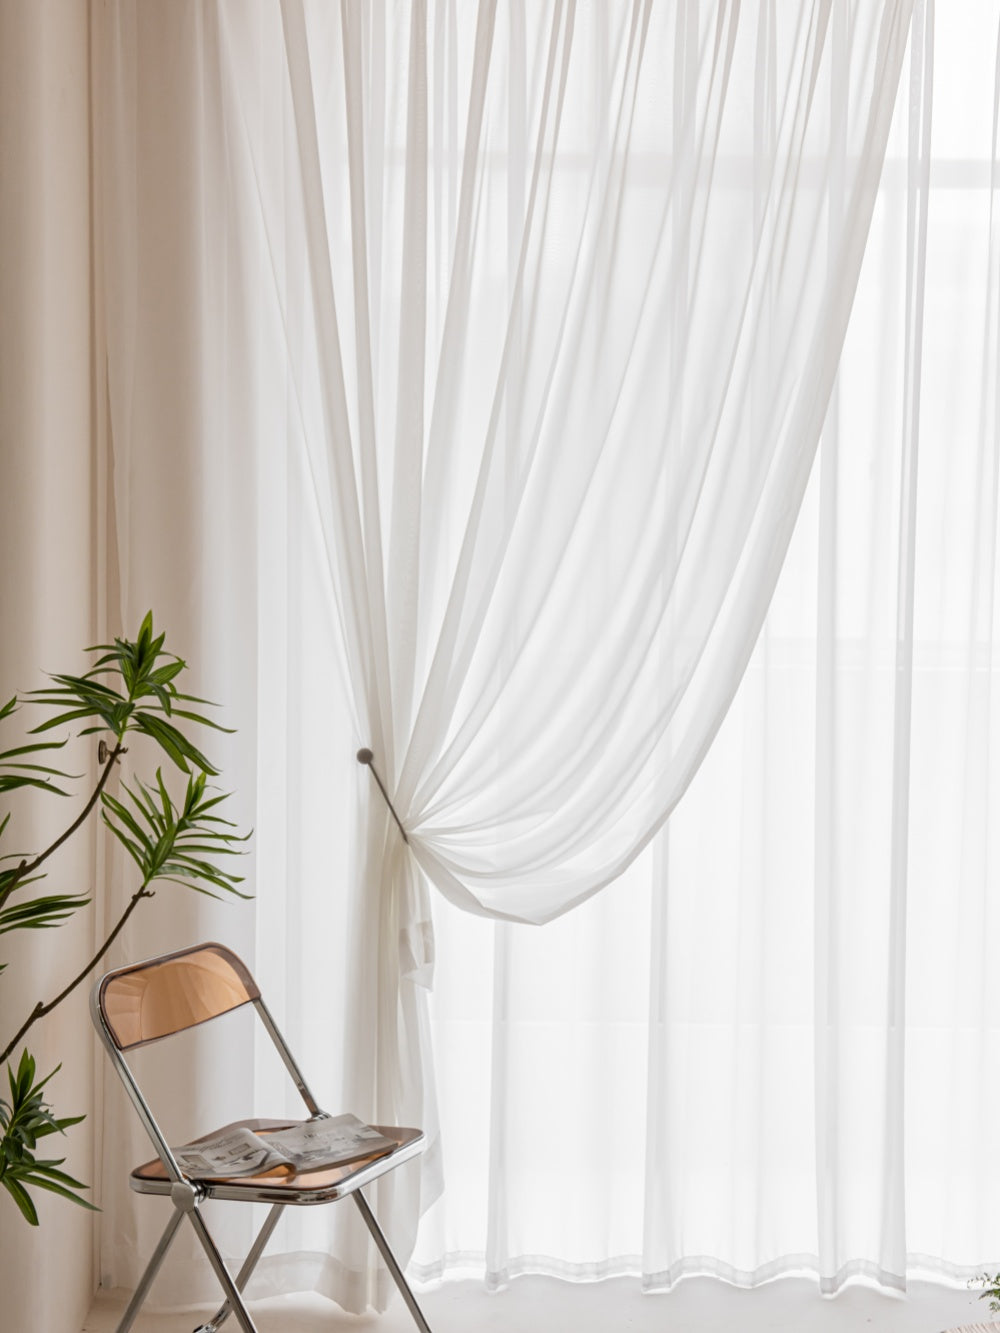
(47, 599)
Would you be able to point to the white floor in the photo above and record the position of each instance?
(544, 1305)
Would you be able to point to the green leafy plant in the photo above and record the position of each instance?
(991, 1283)
(23, 1121)
(130, 689)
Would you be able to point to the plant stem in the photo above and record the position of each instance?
(40, 1010)
(28, 868)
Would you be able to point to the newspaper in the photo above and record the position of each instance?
(308, 1146)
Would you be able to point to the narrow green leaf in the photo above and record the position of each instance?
(20, 1198)
(12, 782)
(205, 721)
(60, 1126)
(165, 802)
(137, 851)
(121, 812)
(165, 674)
(44, 1184)
(145, 804)
(41, 913)
(167, 737)
(72, 716)
(201, 848)
(42, 768)
(82, 686)
(31, 749)
(29, 1063)
(174, 742)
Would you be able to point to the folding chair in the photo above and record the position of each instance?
(133, 1006)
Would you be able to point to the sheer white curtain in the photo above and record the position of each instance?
(773, 1043)
(570, 355)
(561, 295)
(176, 490)
(517, 325)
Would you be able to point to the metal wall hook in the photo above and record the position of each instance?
(365, 756)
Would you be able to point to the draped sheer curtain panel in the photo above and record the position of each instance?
(773, 1042)
(567, 303)
(559, 294)
(519, 324)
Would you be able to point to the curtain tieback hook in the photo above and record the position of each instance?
(365, 756)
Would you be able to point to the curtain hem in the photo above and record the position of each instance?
(466, 1264)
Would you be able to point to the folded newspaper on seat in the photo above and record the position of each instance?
(308, 1146)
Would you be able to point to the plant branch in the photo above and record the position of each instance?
(28, 868)
(40, 1010)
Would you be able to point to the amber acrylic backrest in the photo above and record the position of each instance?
(151, 1000)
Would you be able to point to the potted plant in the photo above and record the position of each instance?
(130, 690)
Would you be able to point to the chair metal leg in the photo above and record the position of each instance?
(249, 1264)
(239, 1309)
(152, 1268)
(390, 1259)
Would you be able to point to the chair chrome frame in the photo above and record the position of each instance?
(144, 1002)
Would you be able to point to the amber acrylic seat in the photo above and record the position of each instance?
(150, 1001)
